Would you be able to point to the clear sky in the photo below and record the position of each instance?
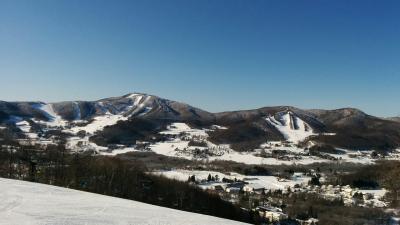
(216, 55)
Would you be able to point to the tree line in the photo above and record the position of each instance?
(111, 176)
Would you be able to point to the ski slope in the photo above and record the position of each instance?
(291, 127)
(54, 120)
(32, 203)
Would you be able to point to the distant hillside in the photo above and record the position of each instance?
(397, 119)
(132, 117)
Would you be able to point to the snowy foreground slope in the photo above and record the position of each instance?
(31, 203)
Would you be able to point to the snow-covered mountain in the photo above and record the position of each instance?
(137, 117)
(138, 105)
(33, 203)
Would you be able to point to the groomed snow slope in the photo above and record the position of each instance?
(292, 127)
(31, 203)
(54, 119)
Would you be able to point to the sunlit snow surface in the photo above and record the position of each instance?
(23, 125)
(99, 123)
(31, 203)
(54, 120)
(291, 127)
(267, 182)
(168, 148)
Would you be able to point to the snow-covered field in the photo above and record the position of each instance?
(31, 203)
(169, 148)
(267, 182)
(177, 128)
(99, 123)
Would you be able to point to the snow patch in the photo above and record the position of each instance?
(99, 123)
(218, 127)
(117, 151)
(24, 126)
(77, 144)
(177, 128)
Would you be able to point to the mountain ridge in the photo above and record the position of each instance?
(245, 128)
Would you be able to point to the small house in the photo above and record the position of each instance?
(273, 214)
(253, 188)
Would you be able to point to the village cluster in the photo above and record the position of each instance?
(261, 192)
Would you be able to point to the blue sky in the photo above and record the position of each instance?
(216, 55)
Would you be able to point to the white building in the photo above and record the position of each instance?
(273, 214)
(253, 188)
